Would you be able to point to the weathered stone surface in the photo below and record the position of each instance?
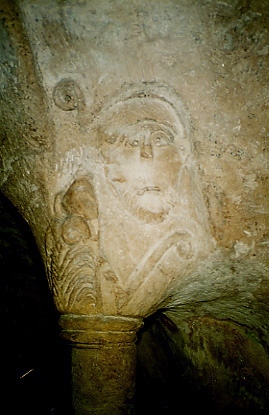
(222, 58)
(205, 363)
(103, 362)
(133, 143)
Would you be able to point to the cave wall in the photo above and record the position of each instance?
(207, 353)
(214, 56)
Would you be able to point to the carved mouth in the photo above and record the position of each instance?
(148, 189)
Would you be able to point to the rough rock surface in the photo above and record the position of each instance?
(133, 142)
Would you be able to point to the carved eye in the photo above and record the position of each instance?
(67, 95)
(133, 142)
(161, 139)
(110, 139)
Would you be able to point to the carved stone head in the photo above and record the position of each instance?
(144, 145)
(128, 228)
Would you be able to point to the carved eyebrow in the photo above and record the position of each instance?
(168, 131)
(122, 135)
(160, 126)
(150, 122)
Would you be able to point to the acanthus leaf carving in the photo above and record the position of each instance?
(72, 251)
(126, 231)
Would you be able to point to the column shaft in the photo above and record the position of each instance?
(103, 363)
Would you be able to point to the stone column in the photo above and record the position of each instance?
(103, 362)
(106, 176)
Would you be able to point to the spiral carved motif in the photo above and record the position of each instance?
(68, 96)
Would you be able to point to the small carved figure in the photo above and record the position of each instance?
(72, 249)
(80, 202)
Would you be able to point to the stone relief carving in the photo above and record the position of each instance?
(129, 228)
(68, 96)
(144, 157)
(72, 251)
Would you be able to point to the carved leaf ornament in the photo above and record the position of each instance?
(120, 241)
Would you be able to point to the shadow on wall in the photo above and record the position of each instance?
(200, 364)
(187, 362)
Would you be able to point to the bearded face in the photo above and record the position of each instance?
(143, 163)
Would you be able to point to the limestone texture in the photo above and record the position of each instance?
(133, 142)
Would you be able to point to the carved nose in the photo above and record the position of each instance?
(146, 151)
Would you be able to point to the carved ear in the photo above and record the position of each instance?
(80, 199)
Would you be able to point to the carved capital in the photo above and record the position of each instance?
(128, 229)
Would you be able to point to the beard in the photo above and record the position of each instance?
(150, 206)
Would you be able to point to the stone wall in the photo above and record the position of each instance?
(74, 75)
